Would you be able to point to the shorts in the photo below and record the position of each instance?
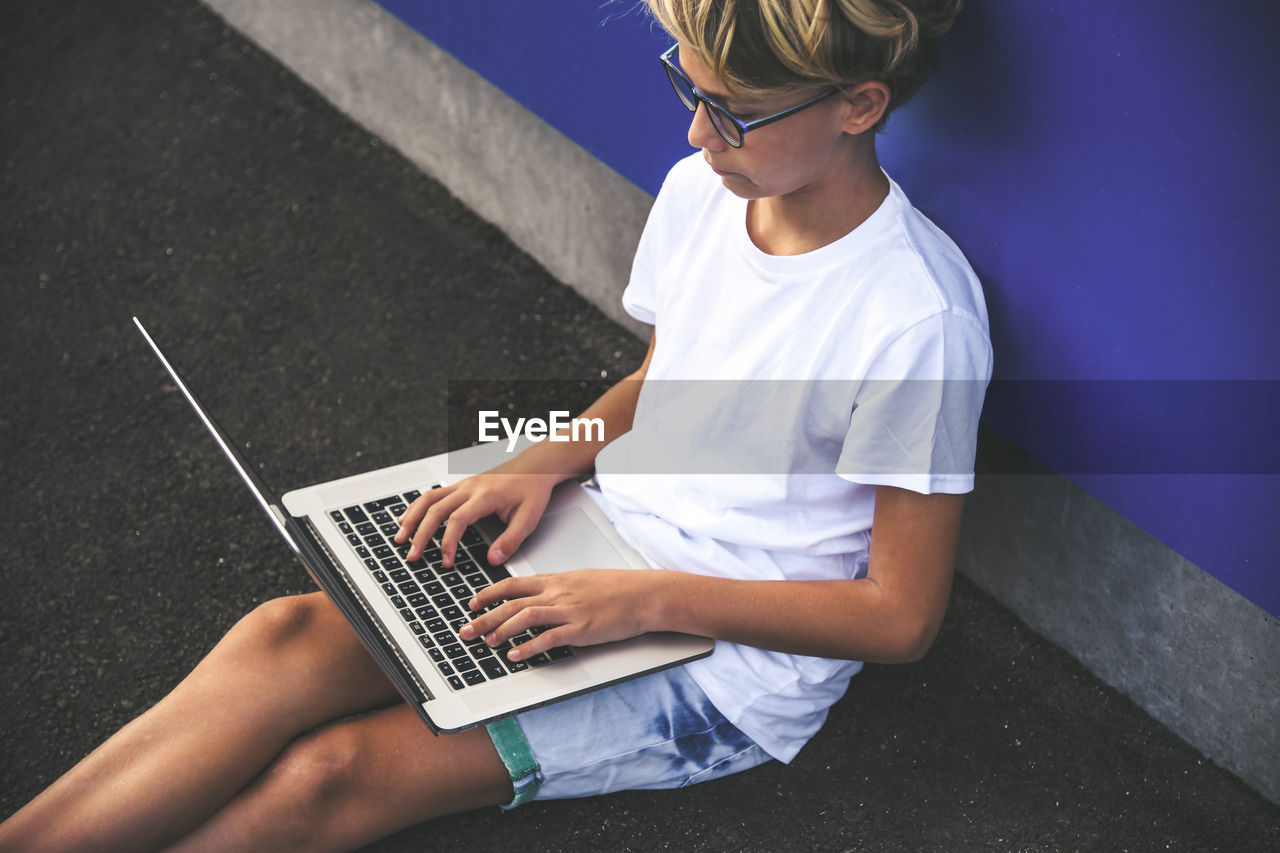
(658, 731)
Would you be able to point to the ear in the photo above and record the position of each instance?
(865, 105)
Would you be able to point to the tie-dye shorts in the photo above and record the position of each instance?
(659, 731)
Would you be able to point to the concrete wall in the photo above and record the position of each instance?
(1195, 654)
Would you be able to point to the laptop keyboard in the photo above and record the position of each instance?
(432, 599)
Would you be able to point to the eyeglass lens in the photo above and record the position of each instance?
(719, 119)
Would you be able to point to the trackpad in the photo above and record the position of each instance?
(566, 541)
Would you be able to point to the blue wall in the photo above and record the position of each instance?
(1109, 170)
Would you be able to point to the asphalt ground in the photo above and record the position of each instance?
(320, 293)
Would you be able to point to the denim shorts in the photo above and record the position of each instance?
(659, 731)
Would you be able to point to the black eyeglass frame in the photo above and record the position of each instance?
(714, 109)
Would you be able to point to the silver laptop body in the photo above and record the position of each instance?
(573, 533)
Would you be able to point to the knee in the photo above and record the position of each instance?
(283, 622)
(316, 777)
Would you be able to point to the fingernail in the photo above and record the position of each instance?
(514, 654)
(467, 632)
(499, 555)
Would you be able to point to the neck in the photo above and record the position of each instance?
(821, 213)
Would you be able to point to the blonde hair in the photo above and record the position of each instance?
(763, 47)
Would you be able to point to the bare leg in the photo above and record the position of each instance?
(289, 666)
(354, 782)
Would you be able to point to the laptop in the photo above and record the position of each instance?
(408, 614)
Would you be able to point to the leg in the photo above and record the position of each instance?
(351, 783)
(289, 666)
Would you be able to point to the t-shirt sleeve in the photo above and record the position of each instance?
(915, 417)
(663, 231)
(640, 298)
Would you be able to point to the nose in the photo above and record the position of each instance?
(702, 133)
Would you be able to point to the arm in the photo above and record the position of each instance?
(518, 490)
(891, 615)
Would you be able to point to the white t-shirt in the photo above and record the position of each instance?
(781, 392)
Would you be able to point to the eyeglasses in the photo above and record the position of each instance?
(731, 129)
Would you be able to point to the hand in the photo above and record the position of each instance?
(579, 608)
(518, 499)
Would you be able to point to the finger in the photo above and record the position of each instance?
(431, 522)
(507, 589)
(547, 640)
(409, 519)
(462, 517)
(524, 519)
(533, 616)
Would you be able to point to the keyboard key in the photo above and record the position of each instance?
(417, 599)
(539, 660)
(382, 517)
(390, 530)
(397, 509)
(343, 526)
(371, 564)
(410, 497)
(399, 602)
(363, 553)
(408, 615)
(400, 575)
(427, 612)
(374, 540)
(354, 540)
(434, 653)
(455, 650)
(455, 682)
(366, 528)
(410, 587)
(383, 551)
(445, 667)
(424, 576)
(513, 665)
(473, 677)
(464, 664)
(560, 653)
(380, 576)
(493, 668)
(416, 627)
(336, 515)
(471, 537)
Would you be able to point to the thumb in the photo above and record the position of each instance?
(523, 520)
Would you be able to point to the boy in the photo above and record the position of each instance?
(780, 254)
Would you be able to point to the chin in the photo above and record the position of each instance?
(740, 186)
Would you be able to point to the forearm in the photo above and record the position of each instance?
(615, 409)
(849, 619)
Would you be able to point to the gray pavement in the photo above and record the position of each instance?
(321, 293)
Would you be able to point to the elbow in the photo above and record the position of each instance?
(910, 642)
